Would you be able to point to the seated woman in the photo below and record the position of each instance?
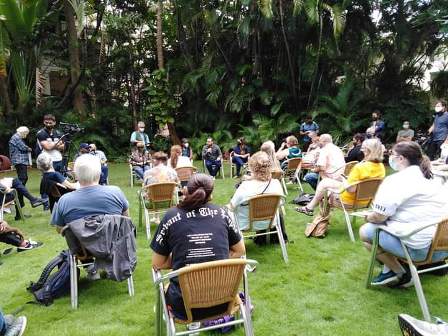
(140, 160)
(371, 167)
(260, 182)
(240, 154)
(179, 245)
(176, 159)
(269, 148)
(405, 201)
(288, 150)
(7, 195)
(13, 236)
(160, 172)
(44, 163)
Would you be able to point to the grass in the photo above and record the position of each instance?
(320, 292)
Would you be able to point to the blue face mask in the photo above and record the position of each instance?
(393, 164)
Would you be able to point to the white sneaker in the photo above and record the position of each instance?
(17, 328)
(413, 327)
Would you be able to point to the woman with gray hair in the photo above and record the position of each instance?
(19, 153)
(44, 163)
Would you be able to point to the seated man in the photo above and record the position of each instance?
(7, 183)
(198, 232)
(140, 160)
(103, 159)
(405, 201)
(405, 134)
(12, 326)
(160, 172)
(212, 155)
(91, 198)
(13, 236)
(330, 163)
(355, 153)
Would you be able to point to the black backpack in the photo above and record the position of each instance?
(52, 285)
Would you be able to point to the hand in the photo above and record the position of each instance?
(29, 149)
(209, 150)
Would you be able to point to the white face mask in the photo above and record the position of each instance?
(405, 126)
(186, 145)
(393, 163)
(438, 108)
(141, 129)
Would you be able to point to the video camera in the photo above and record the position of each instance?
(71, 128)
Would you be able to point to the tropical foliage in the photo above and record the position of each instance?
(252, 68)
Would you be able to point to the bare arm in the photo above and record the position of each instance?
(69, 185)
(431, 128)
(160, 261)
(237, 250)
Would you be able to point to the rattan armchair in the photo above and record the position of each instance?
(294, 170)
(439, 244)
(206, 285)
(156, 199)
(184, 173)
(349, 166)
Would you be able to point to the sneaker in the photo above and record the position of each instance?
(412, 327)
(405, 281)
(29, 246)
(385, 279)
(194, 326)
(37, 202)
(17, 328)
(92, 273)
(9, 320)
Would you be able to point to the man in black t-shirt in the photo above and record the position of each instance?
(48, 141)
(355, 153)
(190, 237)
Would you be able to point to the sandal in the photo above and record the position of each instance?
(305, 211)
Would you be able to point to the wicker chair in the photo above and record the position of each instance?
(279, 175)
(364, 191)
(439, 243)
(184, 173)
(15, 202)
(349, 166)
(233, 166)
(206, 285)
(156, 199)
(293, 170)
(265, 207)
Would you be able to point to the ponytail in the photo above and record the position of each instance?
(425, 167)
(199, 189)
(194, 200)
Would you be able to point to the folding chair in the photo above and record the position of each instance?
(78, 253)
(184, 173)
(265, 207)
(349, 166)
(220, 172)
(293, 170)
(14, 202)
(206, 285)
(156, 199)
(439, 243)
(279, 175)
(364, 191)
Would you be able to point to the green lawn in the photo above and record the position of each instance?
(320, 292)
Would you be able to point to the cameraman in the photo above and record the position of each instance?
(48, 141)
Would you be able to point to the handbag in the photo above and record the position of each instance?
(319, 227)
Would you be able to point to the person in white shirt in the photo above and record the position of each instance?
(260, 182)
(176, 159)
(405, 201)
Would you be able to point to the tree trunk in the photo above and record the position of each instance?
(159, 37)
(4, 96)
(73, 50)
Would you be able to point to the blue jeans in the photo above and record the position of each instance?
(58, 166)
(104, 174)
(393, 246)
(311, 178)
(239, 162)
(140, 171)
(2, 324)
(213, 166)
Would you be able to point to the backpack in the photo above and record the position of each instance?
(52, 285)
(303, 199)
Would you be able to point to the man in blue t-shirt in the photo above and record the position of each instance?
(91, 198)
(308, 126)
(438, 130)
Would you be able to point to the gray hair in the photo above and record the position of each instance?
(44, 162)
(87, 169)
(23, 131)
(326, 138)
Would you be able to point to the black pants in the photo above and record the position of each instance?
(22, 173)
(10, 238)
(22, 191)
(433, 150)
